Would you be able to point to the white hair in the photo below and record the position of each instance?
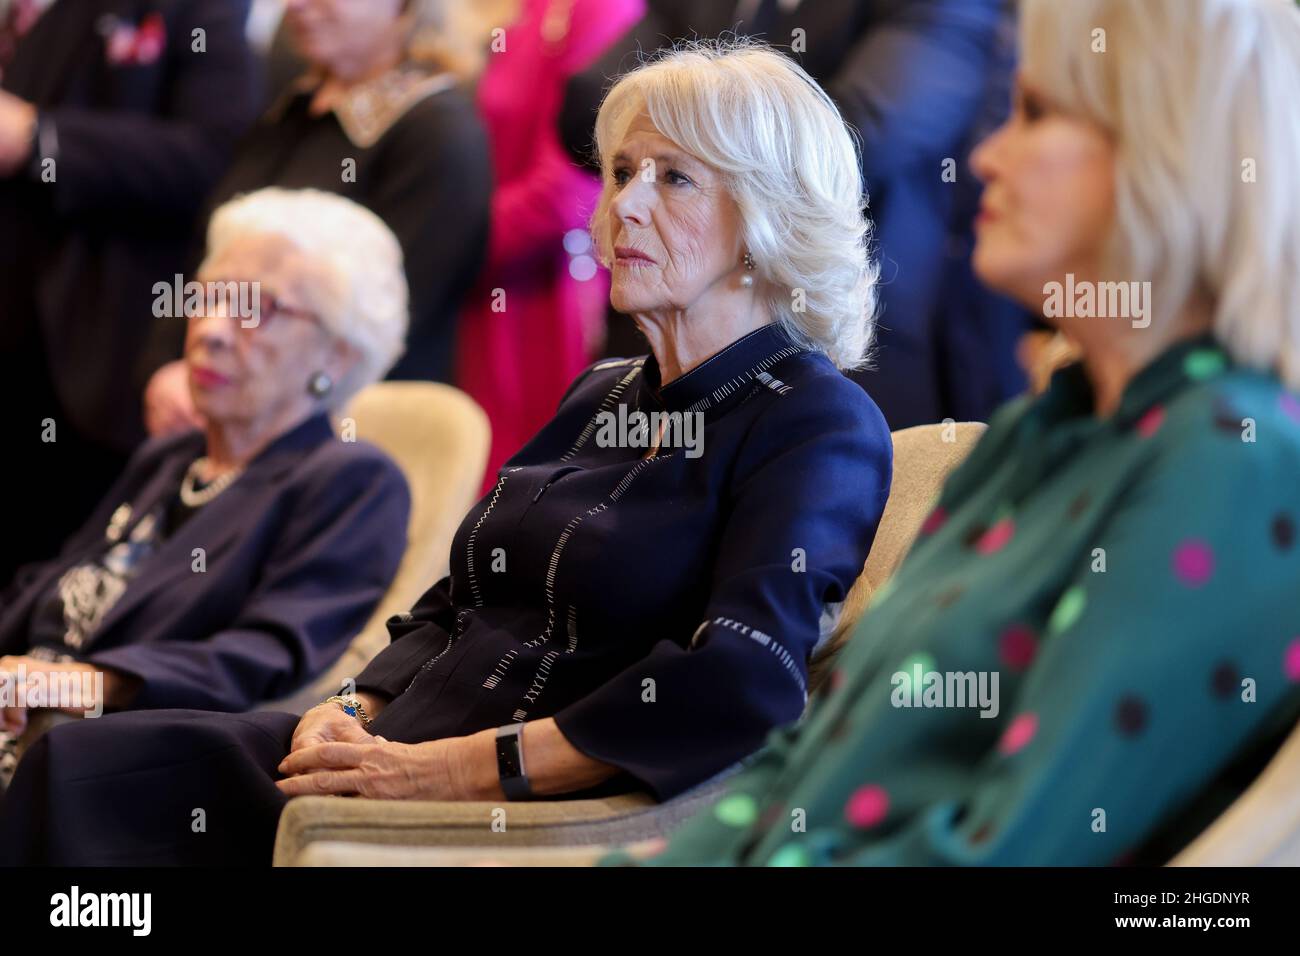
(1200, 96)
(364, 287)
(787, 160)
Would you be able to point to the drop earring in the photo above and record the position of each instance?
(320, 385)
(747, 280)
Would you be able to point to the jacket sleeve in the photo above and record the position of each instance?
(328, 568)
(433, 188)
(813, 477)
(164, 161)
(416, 638)
(913, 83)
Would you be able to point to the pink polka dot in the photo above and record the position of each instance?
(996, 538)
(1018, 734)
(1018, 646)
(867, 807)
(1193, 562)
(934, 521)
(1290, 405)
(1291, 661)
(1150, 423)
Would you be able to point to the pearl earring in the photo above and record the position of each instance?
(320, 385)
(747, 280)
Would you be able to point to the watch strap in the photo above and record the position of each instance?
(510, 763)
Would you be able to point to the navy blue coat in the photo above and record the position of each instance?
(662, 610)
(298, 552)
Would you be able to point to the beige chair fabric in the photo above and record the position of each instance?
(923, 458)
(364, 824)
(439, 438)
(333, 853)
(1262, 827)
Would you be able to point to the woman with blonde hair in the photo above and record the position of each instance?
(1093, 643)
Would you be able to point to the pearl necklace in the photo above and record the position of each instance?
(191, 496)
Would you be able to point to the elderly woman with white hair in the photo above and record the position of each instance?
(636, 601)
(229, 565)
(382, 115)
(1092, 648)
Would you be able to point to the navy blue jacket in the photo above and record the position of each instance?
(298, 552)
(662, 610)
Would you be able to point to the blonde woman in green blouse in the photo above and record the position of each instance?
(1116, 565)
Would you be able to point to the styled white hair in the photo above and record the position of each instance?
(1200, 96)
(788, 161)
(364, 292)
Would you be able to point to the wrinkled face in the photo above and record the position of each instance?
(338, 33)
(1049, 198)
(674, 231)
(244, 369)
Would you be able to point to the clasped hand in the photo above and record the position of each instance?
(332, 753)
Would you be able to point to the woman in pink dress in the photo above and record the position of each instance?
(534, 319)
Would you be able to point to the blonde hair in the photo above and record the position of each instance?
(454, 35)
(1200, 96)
(787, 160)
(365, 282)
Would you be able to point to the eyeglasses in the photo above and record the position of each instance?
(250, 312)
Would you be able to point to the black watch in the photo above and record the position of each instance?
(510, 762)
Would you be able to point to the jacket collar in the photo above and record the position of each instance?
(1180, 366)
(369, 110)
(217, 525)
(714, 381)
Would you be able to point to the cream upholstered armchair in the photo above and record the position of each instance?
(355, 832)
(439, 438)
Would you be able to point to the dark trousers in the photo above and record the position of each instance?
(149, 788)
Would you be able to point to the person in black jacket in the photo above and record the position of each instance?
(230, 565)
(117, 117)
(911, 76)
(382, 116)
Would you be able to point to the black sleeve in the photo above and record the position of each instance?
(416, 638)
(164, 161)
(433, 188)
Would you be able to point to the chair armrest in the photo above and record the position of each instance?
(611, 821)
(308, 820)
(331, 853)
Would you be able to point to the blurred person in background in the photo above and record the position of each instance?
(384, 116)
(299, 532)
(117, 117)
(537, 314)
(1122, 552)
(912, 76)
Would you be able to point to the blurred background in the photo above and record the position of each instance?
(473, 142)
